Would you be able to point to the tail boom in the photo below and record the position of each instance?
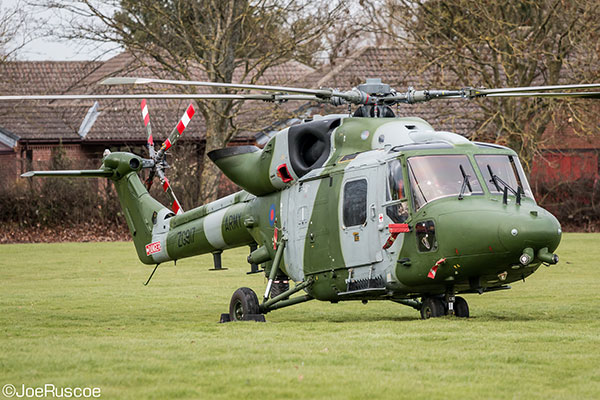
(159, 234)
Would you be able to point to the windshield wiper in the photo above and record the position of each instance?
(465, 183)
(496, 179)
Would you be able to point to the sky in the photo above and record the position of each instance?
(54, 49)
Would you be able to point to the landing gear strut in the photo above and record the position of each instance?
(456, 305)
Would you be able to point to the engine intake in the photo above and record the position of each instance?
(310, 144)
(289, 155)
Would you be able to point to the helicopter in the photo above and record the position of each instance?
(350, 207)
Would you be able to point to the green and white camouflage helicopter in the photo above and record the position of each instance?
(348, 207)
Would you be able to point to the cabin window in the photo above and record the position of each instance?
(398, 210)
(509, 171)
(426, 240)
(355, 202)
(433, 177)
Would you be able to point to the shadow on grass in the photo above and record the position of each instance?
(360, 317)
(345, 318)
(520, 317)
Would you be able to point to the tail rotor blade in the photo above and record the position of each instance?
(150, 140)
(176, 134)
(149, 180)
(167, 188)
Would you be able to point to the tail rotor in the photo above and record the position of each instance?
(158, 158)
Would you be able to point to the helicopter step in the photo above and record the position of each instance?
(373, 285)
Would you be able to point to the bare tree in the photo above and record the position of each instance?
(502, 44)
(13, 35)
(349, 32)
(218, 37)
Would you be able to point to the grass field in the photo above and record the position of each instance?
(77, 315)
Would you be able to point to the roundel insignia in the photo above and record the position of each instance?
(272, 215)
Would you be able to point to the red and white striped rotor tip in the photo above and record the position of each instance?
(185, 119)
(176, 207)
(146, 117)
(183, 123)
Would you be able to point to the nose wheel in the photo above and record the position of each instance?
(461, 308)
(433, 307)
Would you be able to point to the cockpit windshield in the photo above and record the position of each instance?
(432, 177)
(500, 170)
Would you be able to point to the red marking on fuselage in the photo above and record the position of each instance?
(153, 248)
(434, 269)
(284, 174)
(399, 228)
(432, 272)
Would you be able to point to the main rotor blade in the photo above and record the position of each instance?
(142, 81)
(199, 96)
(487, 92)
(100, 173)
(417, 96)
(581, 95)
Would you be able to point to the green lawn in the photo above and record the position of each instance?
(77, 315)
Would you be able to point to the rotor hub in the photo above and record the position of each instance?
(374, 87)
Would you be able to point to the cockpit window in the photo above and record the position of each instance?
(398, 210)
(432, 177)
(507, 170)
(395, 180)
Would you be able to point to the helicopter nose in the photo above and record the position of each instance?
(538, 229)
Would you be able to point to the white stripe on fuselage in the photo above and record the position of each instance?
(212, 228)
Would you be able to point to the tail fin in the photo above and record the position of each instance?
(140, 210)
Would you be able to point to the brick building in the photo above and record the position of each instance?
(29, 131)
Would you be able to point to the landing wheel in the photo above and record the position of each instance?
(432, 307)
(243, 303)
(461, 308)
